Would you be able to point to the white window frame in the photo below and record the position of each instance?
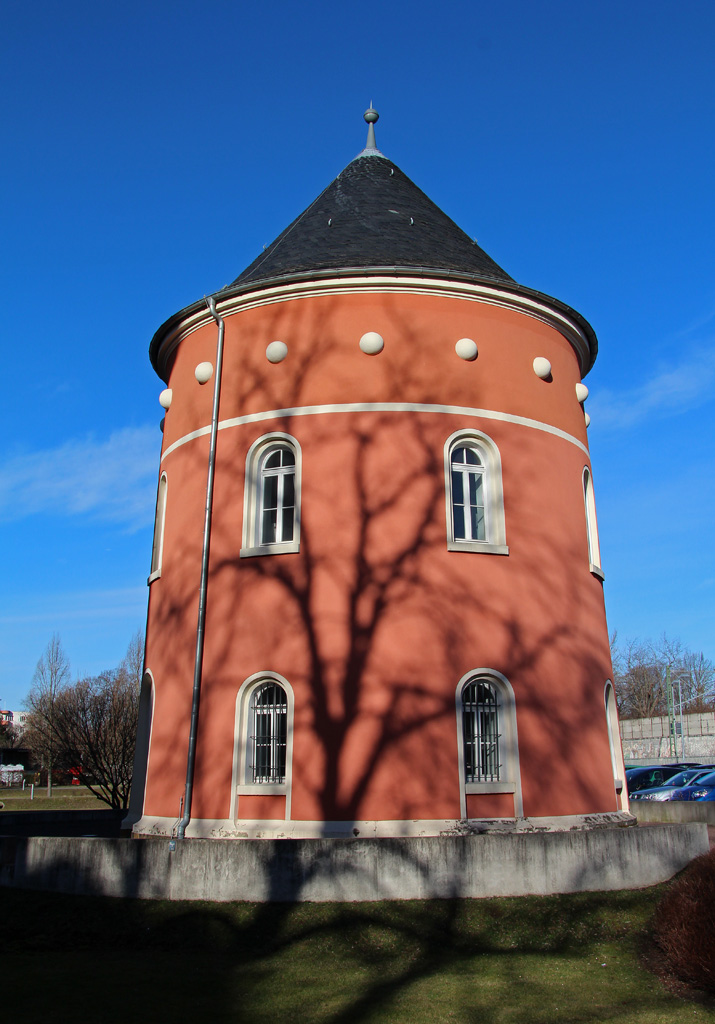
(509, 773)
(614, 742)
(242, 775)
(157, 549)
(494, 542)
(594, 549)
(253, 496)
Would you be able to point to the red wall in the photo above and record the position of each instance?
(374, 622)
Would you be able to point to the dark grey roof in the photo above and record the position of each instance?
(372, 216)
(372, 219)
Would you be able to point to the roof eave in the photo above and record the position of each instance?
(508, 286)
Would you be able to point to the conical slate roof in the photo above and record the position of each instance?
(372, 217)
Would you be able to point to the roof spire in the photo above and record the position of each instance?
(371, 115)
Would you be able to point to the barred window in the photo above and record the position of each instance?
(480, 724)
(268, 731)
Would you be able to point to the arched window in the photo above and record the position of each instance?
(480, 729)
(263, 742)
(157, 551)
(468, 508)
(268, 733)
(594, 554)
(277, 495)
(614, 742)
(271, 518)
(473, 486)
(487, 744)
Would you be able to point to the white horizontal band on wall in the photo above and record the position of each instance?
(352, 407)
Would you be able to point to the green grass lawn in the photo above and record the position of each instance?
(524, 960)
(64, 798)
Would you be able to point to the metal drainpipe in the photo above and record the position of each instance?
(198, 663)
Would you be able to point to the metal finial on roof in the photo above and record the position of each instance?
(371, 115)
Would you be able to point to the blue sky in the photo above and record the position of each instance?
(151, 149)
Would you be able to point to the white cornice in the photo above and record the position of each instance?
(400, 407)
(472, 292)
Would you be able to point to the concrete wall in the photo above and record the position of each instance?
(648, 739)
(674, 810)
(359, 870)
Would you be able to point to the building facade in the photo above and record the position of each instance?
(402, 629)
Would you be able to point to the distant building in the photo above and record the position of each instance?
(16, 718)
(404, 620)
(19, 720)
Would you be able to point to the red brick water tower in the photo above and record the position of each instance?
(376, 504)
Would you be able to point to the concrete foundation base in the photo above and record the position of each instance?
(226, 828)
(675, 810)
(364, 870)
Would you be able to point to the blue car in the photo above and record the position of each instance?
(702, 788)
(648, 776)
(667, 791)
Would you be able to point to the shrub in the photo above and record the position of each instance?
(683, 924)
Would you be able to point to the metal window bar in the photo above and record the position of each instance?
(269, 720)
(480, 724)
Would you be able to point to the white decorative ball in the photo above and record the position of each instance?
(372, 343)
(276, 351)
(203, 372)
(587, 418)
(581, 392)
(542, 367)
(466, 349)
(165, 398)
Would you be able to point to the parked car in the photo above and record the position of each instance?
(708, 795)
(649, 776)
(702, 789)
(666, 791)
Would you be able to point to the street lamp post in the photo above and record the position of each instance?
(672, 748)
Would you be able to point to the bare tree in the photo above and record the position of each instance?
(638, 682)
(641, 671)
(50, 677)
(90, 724)
(96, 724)
(697, 676)
(133, 661)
